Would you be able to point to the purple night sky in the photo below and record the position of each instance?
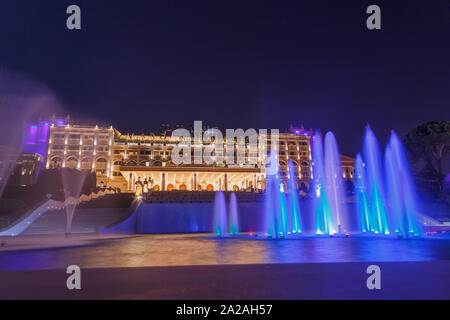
(260, 64)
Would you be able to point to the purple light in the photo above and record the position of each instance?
(43, 132)
(35, 138)
(30, 135)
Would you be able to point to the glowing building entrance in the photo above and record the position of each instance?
(194, 178)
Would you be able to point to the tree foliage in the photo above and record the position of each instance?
(427, 145)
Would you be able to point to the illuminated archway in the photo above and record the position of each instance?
(183, 187)
(86, 163)
(156, 188)
(209, 187)
(170, 187)
(235, 188)
(71, 162)
(57, 162)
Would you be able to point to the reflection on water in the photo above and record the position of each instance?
(195, 249)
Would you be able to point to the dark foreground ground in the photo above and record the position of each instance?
(399, 280)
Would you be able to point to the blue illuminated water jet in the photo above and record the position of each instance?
(386, 197)
(334, 187)
(295, 225)
(323, 216)
(275, 210)
(220, 215)
(402, 197)
(374, 184)
(233, 216)
(361, 194)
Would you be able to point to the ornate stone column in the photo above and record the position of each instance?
(163, 181)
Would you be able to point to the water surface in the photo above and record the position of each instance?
(202, 249)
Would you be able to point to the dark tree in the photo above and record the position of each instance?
(427, 145)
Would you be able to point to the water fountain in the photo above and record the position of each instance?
(70, 210)
(220, 215)
(23, 100)
(385, 196)
(334, 187)
(73, 181)
(401, 195)
(325, 223)
(295, 225)
(361, 195)
(275, 210)
(374, 184)
(233, 221)
(386, 199)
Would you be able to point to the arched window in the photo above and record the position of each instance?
(56, 162)
(85, 163)
(71, 162)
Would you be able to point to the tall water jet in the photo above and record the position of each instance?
(220, 214)
(6, 169)
(73, 181)
(295, 225)
(403, 206)
(275, 211)
(22, 101)
(334, 187)
(70, 210)
(361, 194)
(375, 188)
(280, 206)
(323, 214)
(233, 221)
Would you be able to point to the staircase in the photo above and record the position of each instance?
(84, 220)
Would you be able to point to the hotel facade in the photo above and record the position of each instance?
(119, 160)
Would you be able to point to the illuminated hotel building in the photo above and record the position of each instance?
(119, 160)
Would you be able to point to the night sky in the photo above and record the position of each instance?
(260, 64)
